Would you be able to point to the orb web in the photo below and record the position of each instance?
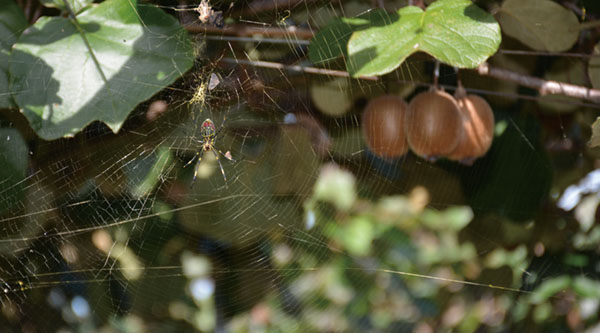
(309, 230)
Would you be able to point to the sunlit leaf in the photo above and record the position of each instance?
(336, 186)
(585, 212)
(550, 288)
(586, 287)
(595, 139)
(332, 97)
(12, 23)
(456, 32)
(66, 74)
(454, 218)
(540, 24)
(358, 235)
(194, 265)
(74, 5)
(458, 217)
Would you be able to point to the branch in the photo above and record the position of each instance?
(259, 6)
(544, 87)
(249, 30)
(295, 68)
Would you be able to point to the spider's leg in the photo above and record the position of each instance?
(221, 127)
(220, 165)
(192, 160)
(199, 154)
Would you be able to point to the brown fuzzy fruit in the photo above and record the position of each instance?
(433, 124)
(383, 126)
(478, 128)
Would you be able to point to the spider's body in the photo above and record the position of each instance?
(209, 134)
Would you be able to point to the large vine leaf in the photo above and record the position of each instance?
(66, 73)
(12, 23)
(540, 24)
(455, 32)
(331, 41)
(594, 67)
(74, 5)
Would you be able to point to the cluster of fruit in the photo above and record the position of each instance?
(435, 124)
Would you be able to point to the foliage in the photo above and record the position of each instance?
(12, 23)
(457, 33)
(521, 19)
(111, 44)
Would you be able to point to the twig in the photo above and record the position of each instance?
(258, 6)
(589, 25)
(497, 93)
(548, 54)
(285, 41)
(248, 30)
(295, 68)
(544, 87)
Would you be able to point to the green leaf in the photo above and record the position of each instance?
(586, 287)
(13, 159)
(540, 24)
(458, 217)
(333, 98)
(74, 5)
(595, 139)
(542, 312)
(145, 173)
(336, 186)
(550, 288)
(330, 42)
(12, 23)
(454, 218)
(66, 73)
(358, 235)
(585, 212)
(455, 32)
(594, 67)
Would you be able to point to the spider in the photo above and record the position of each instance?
(209, 136)
(207, 15)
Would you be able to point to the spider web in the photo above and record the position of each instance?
(110, 235)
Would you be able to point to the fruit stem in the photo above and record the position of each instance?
(436, 75)
(460, 91)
